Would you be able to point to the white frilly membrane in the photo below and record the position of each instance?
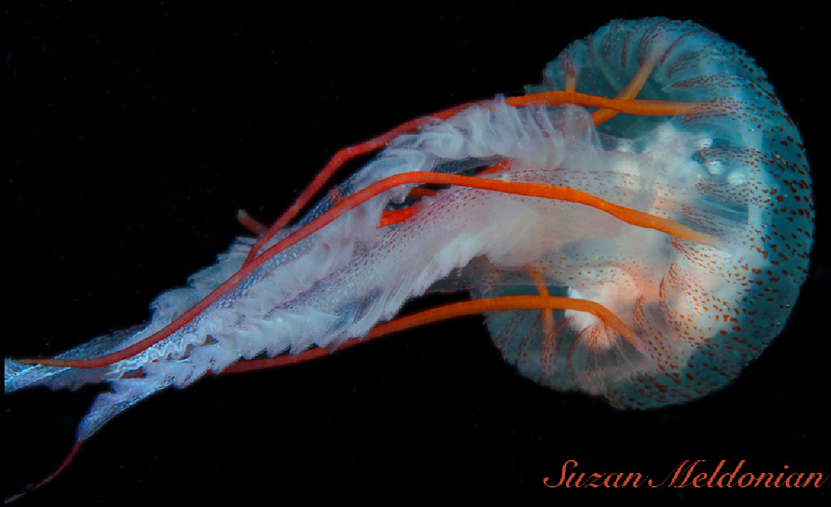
(349, 276)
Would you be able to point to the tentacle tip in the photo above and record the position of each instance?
(34, 361)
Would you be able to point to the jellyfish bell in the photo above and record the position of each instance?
(734, 168)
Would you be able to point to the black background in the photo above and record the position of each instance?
(132, 137)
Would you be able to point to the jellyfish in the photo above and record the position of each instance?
(636, 227)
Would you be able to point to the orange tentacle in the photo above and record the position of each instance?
(631, 216)
(250, 223)
(652, 108)
(631, 90)
(340, 158)
(548, 329)
(451, 311)
(631, 106)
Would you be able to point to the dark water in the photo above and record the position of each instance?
(134, 136)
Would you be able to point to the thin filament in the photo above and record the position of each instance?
(49, 478)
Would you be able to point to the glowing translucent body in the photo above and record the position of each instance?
(736, 168)
(733, 168)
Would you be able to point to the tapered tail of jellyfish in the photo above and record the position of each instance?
(19, 375)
